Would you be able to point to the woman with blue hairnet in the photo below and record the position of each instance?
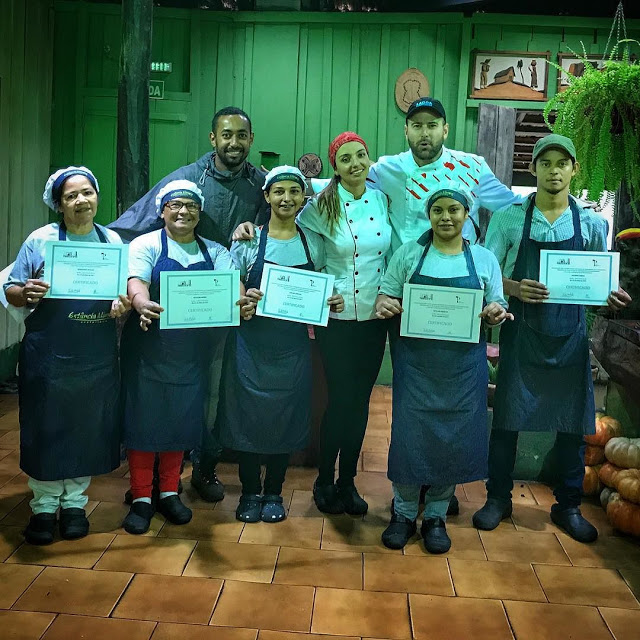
(439, 424)
(68, 369)
(266, 394)
(165, 373)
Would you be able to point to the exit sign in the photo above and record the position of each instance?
(156, 89)
(164, 67)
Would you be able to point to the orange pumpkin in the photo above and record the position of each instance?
(624, 515)
(628, 484)
(605, 494)
(593, 455)
(606, 428)
(624, 452)
(591, 481)
(608, 473)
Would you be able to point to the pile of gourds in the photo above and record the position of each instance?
(620, 475)
(594, 455)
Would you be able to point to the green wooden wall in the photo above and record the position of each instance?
(302, 77)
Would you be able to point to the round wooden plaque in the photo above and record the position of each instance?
(310, 165)
(411, 85)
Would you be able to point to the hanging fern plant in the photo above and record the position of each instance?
(600, 112)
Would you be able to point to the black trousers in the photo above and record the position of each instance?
(351, 354)
(568, 451)
(249, 471)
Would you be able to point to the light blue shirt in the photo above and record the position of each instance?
(30, 261)
(357, 249)
(145, 250)
(288, 253)
(505, 232)
(410, 186)
(436, 264)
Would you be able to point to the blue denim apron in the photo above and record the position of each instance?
(544, 377)
(439, 423)
(69, 385)
(266, 389)
(165, 373)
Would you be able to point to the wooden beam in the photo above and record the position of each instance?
(132, 157)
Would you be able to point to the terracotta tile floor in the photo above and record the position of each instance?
(311, 577)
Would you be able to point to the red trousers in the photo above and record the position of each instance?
(141, 470)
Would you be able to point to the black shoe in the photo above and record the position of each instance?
(272, 509)
(138, 519)
(490, 516)
(434, 535)
(327, 498)
(249, 508)
(353, 502)
(73, 524)
(209, 488)
(173, 510)
(454, 507)
(399, 532)
(41, 528)
(574, 523)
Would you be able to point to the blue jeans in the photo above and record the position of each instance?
(568, 450)
(406, 498)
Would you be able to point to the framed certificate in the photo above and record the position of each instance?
(198, 299)
(579, 277)
(86, 270)
(295, 294)
(441, 313)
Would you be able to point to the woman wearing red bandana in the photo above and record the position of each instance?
(354, 223)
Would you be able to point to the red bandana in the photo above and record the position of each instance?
(343, 138)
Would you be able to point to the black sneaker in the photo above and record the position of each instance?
(493, 512)
(138, 519)
(73, 524)
(327, 498)
(209, 488)
(173, 510)
(574, 523)
(249, 508)
(41, 529)
(434, 535)
(399, 532)
(353, 502)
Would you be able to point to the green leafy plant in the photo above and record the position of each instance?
(600, 112)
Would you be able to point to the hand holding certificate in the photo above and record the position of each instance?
(197, 299)
(579, 277)
(86, 270)
(297, 295)
(441, 313)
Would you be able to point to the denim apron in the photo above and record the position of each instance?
(69, 385)
(544, 376)
(165, 373)
(266, 389)
(439, 422)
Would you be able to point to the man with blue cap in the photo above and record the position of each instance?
(231, 188)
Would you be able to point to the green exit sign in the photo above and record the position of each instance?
(156, 89)
(163, 67)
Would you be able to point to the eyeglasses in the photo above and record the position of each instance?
(176, 206)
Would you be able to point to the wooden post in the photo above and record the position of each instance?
(496, 139)
(132, 157)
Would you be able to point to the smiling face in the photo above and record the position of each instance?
(286, 198)
(352, 164)
(426, 132)
(180, 215)
(554, 169)
(232, 140)
(78, 201)
(447, 218)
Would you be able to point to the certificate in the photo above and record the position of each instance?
(197, 299)
(579, 277)
(295, 294)
(441, 313)
(85, 270)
